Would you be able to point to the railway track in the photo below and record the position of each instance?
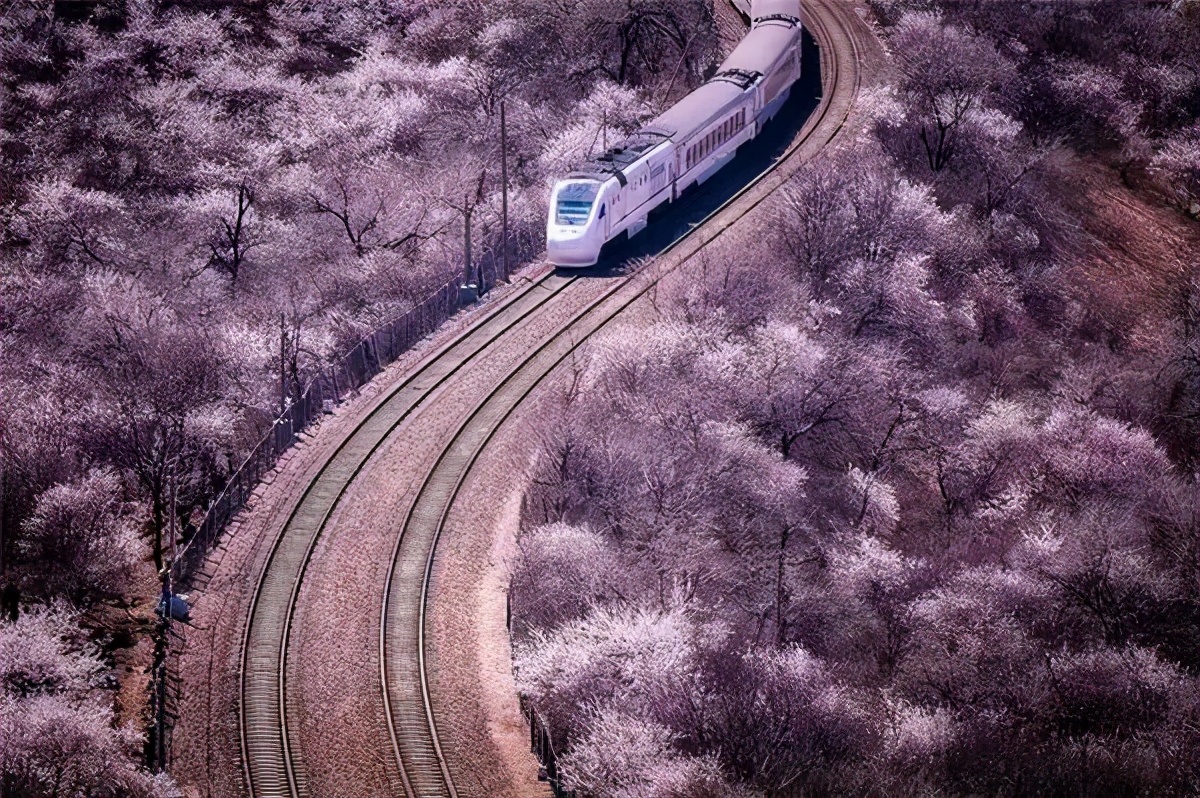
(269, 760)
(272, 765)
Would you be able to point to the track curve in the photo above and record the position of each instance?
(271, 764)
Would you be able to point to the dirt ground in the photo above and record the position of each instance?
(1135, 247)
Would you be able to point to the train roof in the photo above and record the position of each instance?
(773, 28)
(763, 9)
(615, 160)
(695, 110)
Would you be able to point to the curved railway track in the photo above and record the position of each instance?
(271, 763)
(269, 760)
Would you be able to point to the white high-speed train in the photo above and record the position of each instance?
(615, 192)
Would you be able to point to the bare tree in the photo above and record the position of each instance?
(235, 239)
(948, 75)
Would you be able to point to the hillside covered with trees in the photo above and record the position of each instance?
(900, 495)
(202, 204)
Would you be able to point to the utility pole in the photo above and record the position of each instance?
(467, 209)
(163, 644)
(3, 579)
(504, 191)
(282, 365)
(468, 272)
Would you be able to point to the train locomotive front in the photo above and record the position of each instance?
(575, 231)
(612, 194)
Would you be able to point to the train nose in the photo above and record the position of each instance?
(571, 246)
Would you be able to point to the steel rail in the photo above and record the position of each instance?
(427, 772)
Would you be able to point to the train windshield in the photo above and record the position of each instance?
(575, 202)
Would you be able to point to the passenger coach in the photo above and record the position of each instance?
(614, 193)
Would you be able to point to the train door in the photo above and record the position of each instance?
(659, 176)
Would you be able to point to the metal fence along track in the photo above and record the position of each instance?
(368, 357)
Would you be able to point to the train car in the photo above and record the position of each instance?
(613, 194)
